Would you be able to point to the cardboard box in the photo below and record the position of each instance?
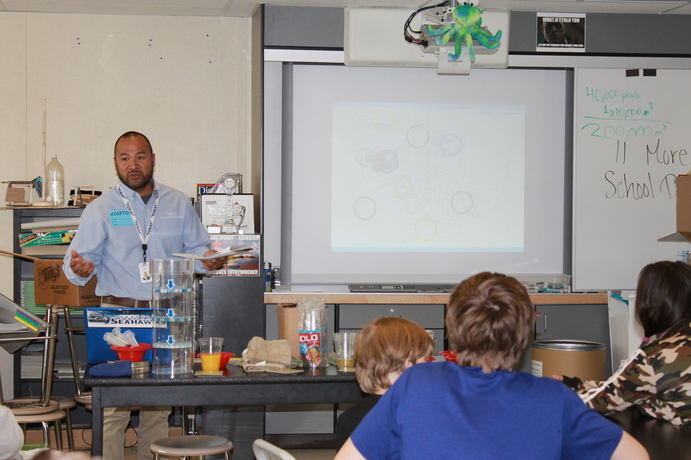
(52, 287)
(17, 194)
(684, 203)
(203, 189)
(288, 319)
(99, 320)
(683, 232)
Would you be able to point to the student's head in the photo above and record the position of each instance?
(385, 348)
(488, 321)
(663, 296)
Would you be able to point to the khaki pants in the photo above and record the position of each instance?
(153, 425)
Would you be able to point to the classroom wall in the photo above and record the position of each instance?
(185, 82)
(192, 84)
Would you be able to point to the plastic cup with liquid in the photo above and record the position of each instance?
(344, 345)
(210, 352)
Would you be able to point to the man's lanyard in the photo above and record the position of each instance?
(143, 237)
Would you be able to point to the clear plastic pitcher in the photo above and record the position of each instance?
(173, 309)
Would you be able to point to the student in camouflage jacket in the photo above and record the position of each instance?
(657, 378)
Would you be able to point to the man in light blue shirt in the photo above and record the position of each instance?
(136, 221)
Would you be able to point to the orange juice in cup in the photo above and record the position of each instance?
(210, 352)
(210, 361)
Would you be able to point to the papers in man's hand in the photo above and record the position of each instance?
(209, 257)
(214, 255)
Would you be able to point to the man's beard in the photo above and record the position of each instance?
(136, 183)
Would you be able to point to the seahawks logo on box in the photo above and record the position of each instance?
(110, 318)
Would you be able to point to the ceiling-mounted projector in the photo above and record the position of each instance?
(373, 37)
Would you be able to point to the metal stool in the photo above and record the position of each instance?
(71, 330)
(81, 397)
(44, 419)
(66, 403)
(195, 445)
(30, 406)
(85, 398)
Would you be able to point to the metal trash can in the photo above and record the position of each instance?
(573, 358)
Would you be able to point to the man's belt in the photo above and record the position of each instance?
(124, 301)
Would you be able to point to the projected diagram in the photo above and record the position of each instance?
(427, 178)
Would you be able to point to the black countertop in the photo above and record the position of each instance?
(231, 375)
(663, 440)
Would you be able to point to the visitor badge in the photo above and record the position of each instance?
(144, 272)
(120, 218)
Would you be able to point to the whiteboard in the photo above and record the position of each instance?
(632, 136)
(391, 181)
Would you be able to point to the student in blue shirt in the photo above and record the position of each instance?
(478, 408)
(136, 221)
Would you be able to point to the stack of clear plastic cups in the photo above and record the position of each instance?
(173, 310)
(312, 332)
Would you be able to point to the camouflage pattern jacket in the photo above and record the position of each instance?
(657, 379)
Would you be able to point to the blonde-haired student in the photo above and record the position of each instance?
(385, 348)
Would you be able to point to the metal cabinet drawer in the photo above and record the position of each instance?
(355, 316)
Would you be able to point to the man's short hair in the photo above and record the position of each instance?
(488, 321)
(388, 345)
(663, 295)
(132, 134)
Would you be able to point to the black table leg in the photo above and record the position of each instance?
(96, 423)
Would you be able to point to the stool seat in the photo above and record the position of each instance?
(191, 445)
(85, 398)
(65, 402)
(30, 406)
(44, 420)
(39, 418)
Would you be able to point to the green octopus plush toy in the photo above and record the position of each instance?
(468, 26)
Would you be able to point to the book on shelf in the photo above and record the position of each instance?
(44, 225)
(28, 298)
(52, 250)
(31, 365)
(46, 238)
(63, 370)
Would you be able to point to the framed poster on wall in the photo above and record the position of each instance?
(223, 213)
(244, 257)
